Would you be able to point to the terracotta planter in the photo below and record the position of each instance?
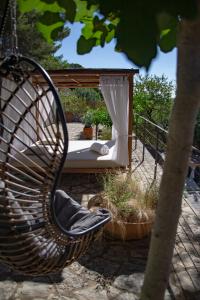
(122, 230)
(128, 231)
(69, 116)
(88, 133)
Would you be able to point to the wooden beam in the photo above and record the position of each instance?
(130, 119)
(93, 170)
(93, 72)
(63, 86)
(85, 76)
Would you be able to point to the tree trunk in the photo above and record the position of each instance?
(180, 139)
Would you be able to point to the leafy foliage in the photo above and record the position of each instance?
(105, 134)
(97, 116)
(86, 104)
(141, 27)
(32, 43)
(73, 103)
(126, 200)
(137, 26)
(153, 98)
(87, 118)
(52, 62)
(91, 95)
(101, 116)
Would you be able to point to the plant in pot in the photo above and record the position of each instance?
(132, 208)
(88, 120)
(101, 116)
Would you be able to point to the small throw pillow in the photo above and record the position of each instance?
(100, 148)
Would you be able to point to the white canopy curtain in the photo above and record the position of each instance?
(115, 90)
(17, 105)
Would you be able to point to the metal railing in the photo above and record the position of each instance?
(154, 139)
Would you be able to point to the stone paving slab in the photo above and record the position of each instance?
(184, 280)
(75, 130)
(109, 270)
(112, 269)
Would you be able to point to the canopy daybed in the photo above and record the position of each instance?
(117, 89)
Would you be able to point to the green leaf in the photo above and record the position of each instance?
(110, 36)
(138, 39)
(98, 29)
(84, 45)
(48, 1)
(82, 11)
(97, 35)
(56, 33)
(165, 21)
(49, 18)
(70, 8)
(102, 40)
(27, 6)
(168, 31)
(47, 30)
(87, 30)
(168, 39)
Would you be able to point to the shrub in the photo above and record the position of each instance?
(106, 133)
(72, 103)
(126, 200)
(98, 116)
(87, 118)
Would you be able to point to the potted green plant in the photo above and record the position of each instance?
(87, 119)
(101, 116)
(132, 208)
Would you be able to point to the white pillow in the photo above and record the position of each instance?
(100, 148)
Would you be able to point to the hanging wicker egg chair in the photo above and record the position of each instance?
(42, 229)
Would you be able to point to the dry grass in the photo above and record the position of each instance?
(126, 200)
(106, 133)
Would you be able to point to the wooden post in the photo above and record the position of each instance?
(37, 120)
(130, 119)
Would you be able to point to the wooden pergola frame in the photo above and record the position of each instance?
(90, 78)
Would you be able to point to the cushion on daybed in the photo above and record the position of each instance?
(79, 155)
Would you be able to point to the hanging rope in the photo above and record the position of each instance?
(2, 28)
(14, 40)
(4, 18)
(8, 34)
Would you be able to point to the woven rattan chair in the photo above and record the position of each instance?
(41, 230)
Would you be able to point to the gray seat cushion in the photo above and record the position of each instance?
(75, 218)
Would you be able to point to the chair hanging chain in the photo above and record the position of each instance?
(4, 19)
(9, 10)
(14, 40)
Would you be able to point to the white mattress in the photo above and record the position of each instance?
(80, 156)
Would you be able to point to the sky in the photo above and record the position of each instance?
(106, 57)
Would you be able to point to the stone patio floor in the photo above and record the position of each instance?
(114, 269)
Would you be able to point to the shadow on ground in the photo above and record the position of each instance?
(106, 257)
(77, 185)
(112, 258)
(8, 274)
